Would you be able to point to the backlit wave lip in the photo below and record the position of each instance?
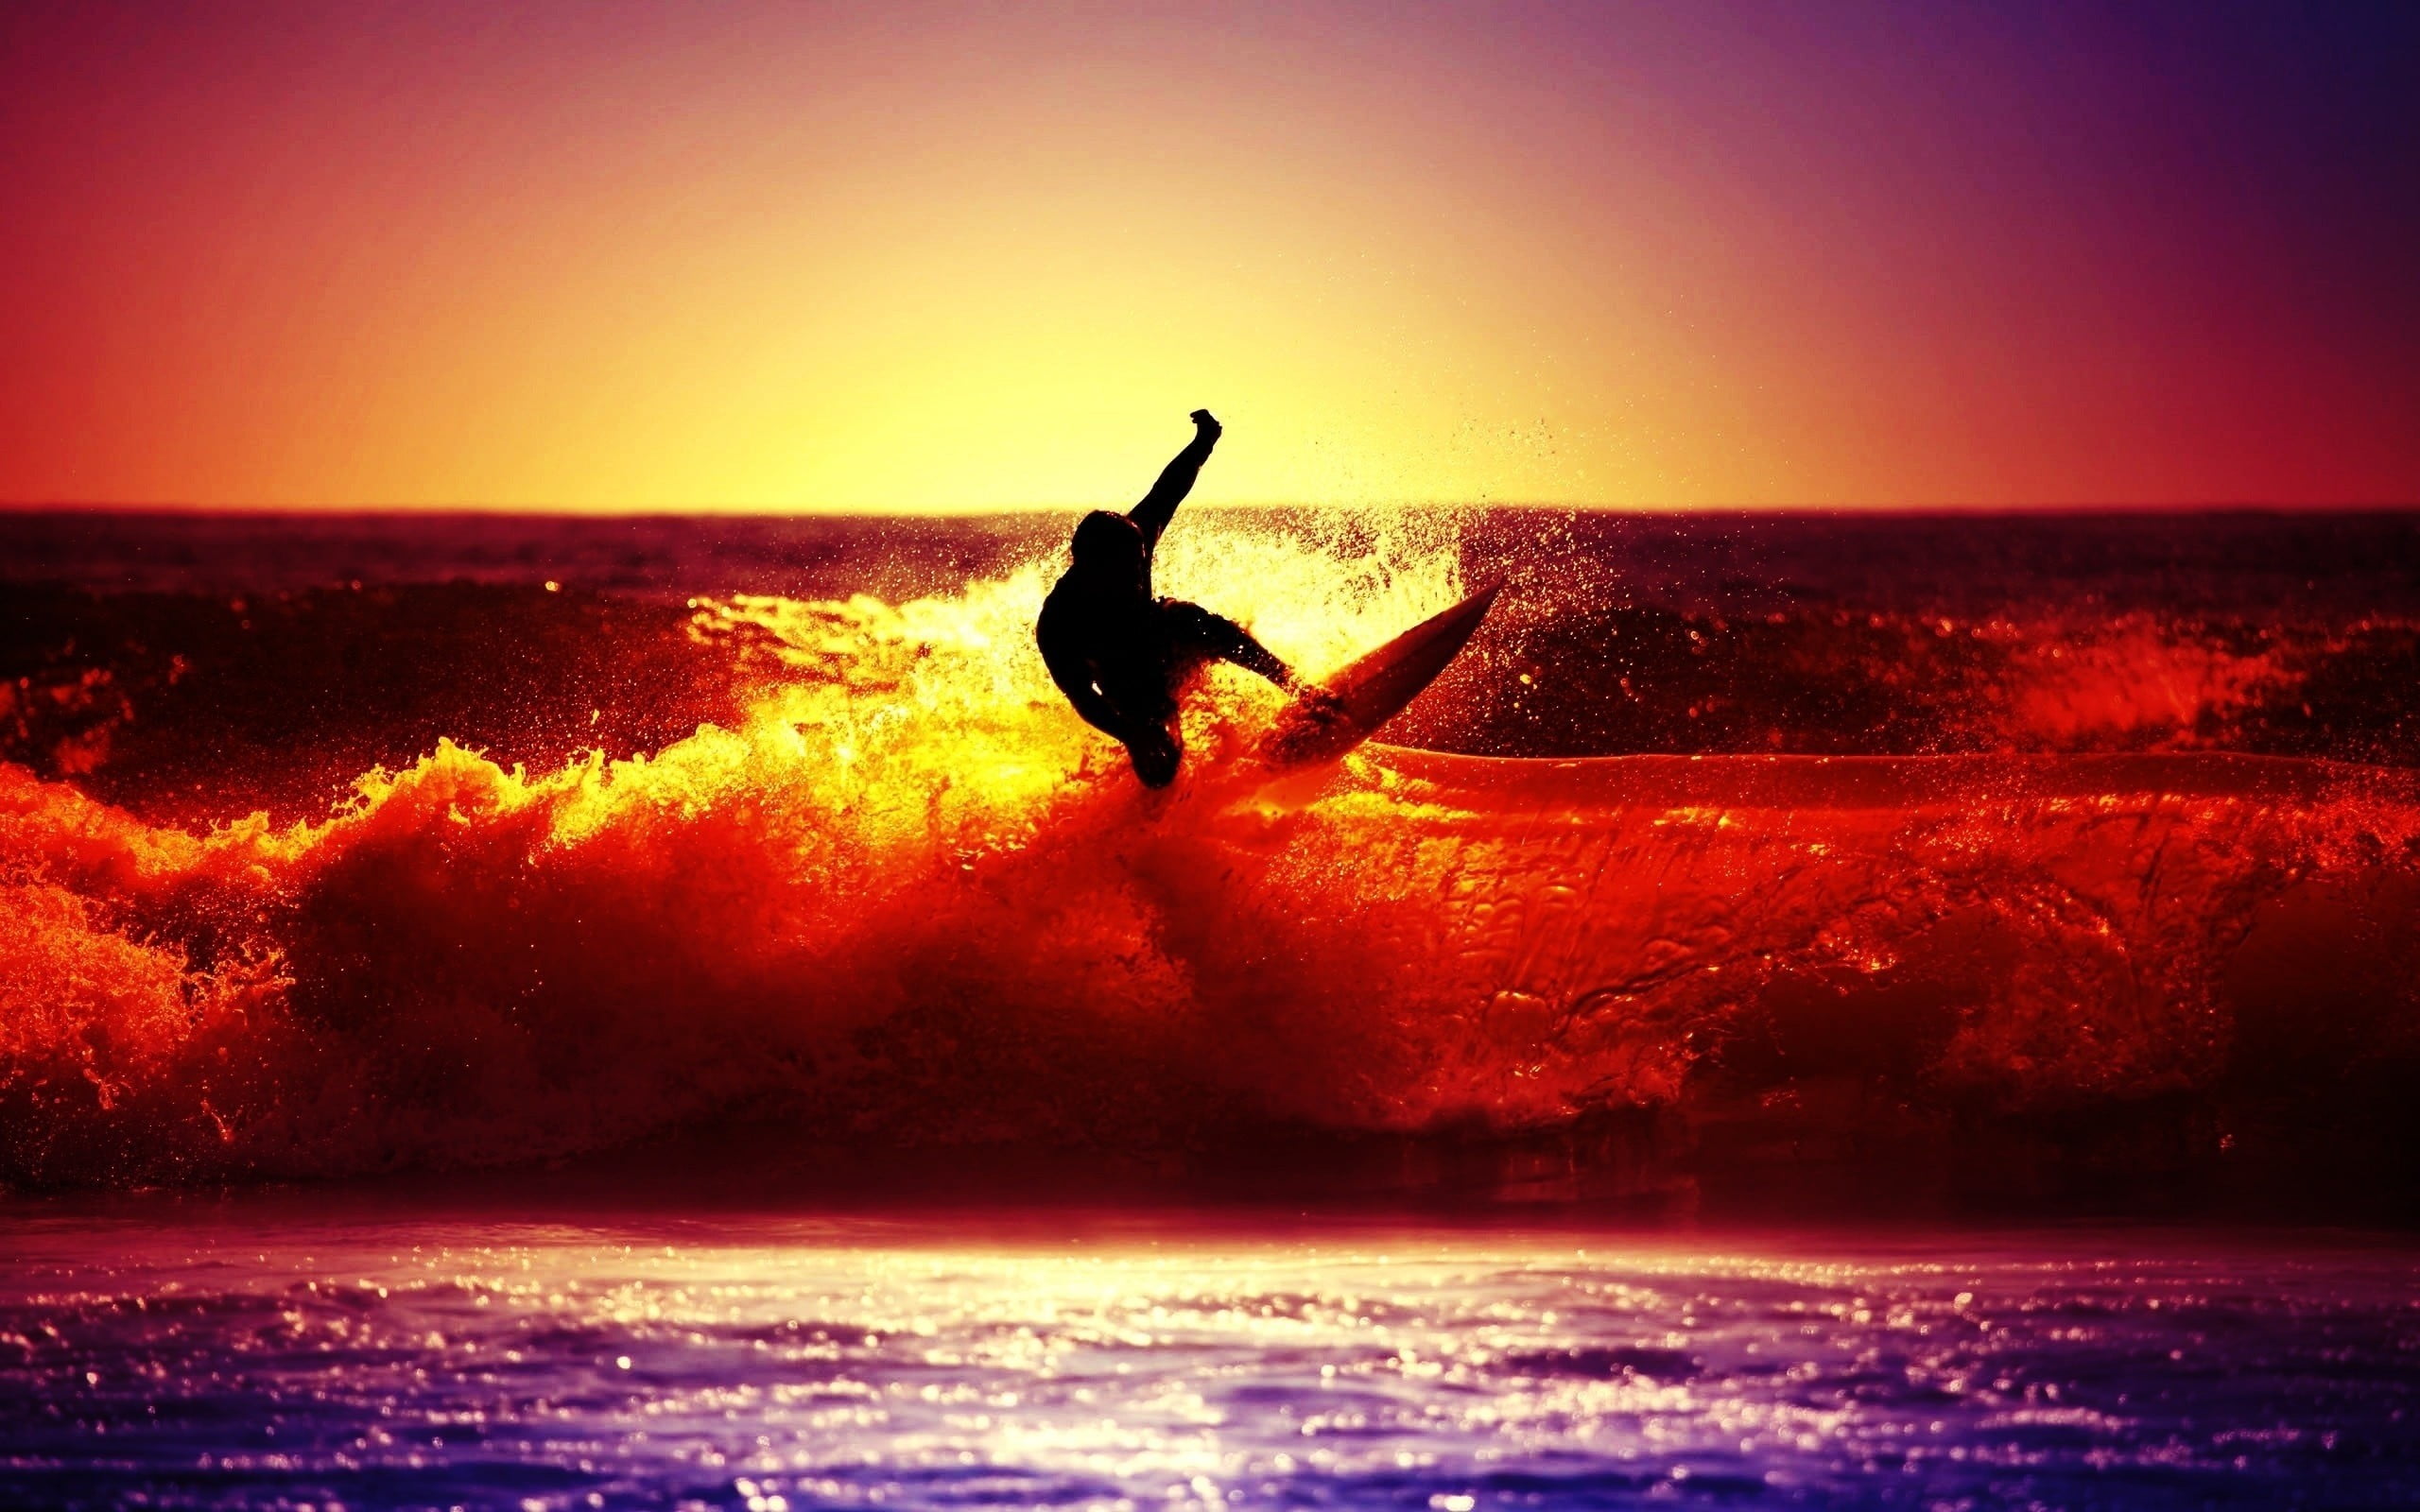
(1898, 781)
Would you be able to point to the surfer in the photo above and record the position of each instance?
(1121, 655)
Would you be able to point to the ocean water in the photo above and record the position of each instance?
(1762, 914)
(2033, 859)
(338, 1354)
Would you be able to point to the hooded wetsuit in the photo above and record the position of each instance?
(1119, 654)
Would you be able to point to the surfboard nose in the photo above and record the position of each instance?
(1373, 689)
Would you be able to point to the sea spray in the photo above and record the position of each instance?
(903, 897)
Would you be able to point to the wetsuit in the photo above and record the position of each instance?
(1121, 655)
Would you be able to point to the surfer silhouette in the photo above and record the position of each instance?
(1121, 655)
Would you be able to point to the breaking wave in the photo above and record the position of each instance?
(901, 897)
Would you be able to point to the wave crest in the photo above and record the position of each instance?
(910, 900)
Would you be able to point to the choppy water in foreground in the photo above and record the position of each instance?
(254, 1354)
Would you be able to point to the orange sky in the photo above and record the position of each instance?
(760, 256)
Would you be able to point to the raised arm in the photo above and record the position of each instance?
(1176, 480)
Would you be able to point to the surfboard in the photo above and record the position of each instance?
(1365, 694)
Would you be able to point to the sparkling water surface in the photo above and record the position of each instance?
(198, 1355)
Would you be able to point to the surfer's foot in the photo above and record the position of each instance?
(1323, 707)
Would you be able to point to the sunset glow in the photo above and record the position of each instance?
(1769, 858)
(772, 257)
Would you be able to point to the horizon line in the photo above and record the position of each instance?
(32, 507)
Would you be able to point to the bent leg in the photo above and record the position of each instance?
(1197, 634)
(1155, 757)
(1143, 699)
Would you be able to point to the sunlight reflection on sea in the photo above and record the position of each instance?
(793, 1363)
